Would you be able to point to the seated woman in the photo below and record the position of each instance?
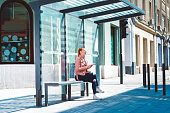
(81, 72)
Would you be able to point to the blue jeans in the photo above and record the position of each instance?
(89, 77)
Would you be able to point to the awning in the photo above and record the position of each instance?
(98, 11)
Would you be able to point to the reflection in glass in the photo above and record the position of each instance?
(74, 34)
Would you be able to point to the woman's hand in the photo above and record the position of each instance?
(89, 66)
(77, 78)
(88, 71)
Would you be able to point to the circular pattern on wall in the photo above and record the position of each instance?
(26, 45)
(14, 49)
(23, 51)
(27, 57)
(17, 54)
(5, 58)
(14, 38)
(9, 45)
(19, 44)
(3, 47)
(20, 39)
(12, 59)
(20, 58)
(25, 37)
(6, 52)
(5, 39)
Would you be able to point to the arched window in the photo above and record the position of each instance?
(16, 33)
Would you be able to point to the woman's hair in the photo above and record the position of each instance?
(78, 53)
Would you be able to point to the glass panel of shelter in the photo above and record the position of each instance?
(71, 3)
(74, 39)
(51, 46)
(99, 9)
(68, 4)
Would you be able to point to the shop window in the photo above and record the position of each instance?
(16, 37)
(163, 21)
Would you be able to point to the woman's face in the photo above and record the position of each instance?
(83, 52)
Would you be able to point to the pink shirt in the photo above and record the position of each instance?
(80, 66)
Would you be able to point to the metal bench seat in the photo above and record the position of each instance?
(64, 83)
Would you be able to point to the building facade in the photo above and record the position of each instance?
(148, 41)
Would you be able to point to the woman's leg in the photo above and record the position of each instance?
(94, 76)
(88, 78)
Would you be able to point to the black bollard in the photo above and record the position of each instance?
(148, 70)
(156, 78)
(164, 88)
(144, 75)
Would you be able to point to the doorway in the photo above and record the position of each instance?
(115, 48)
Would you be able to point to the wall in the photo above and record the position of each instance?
(149, 37)
(17, 76)
(106, 69)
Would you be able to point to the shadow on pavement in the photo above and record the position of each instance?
(17, 104)
(140, 100)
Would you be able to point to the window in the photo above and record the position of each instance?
(157, 17)
(16, 37)
(163, 21)
(168, 26)
(143, 4)
(150, 10)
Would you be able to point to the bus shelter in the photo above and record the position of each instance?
(62, 26)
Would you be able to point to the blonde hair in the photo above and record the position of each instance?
(78, 53)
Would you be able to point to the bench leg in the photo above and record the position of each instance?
(63, 96)
(82, 89)
(87, 89)
(69, 92)
(82, 93)
(46, 95)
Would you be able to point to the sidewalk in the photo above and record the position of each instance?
(130, 97)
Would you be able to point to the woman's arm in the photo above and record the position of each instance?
(78, 67)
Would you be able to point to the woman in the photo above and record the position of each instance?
(81, 72)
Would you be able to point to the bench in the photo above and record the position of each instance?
(65, 83)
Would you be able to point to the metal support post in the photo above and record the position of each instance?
(156, 78)
(144, 75)
(148, 70)
(121, 69)
(164, 88)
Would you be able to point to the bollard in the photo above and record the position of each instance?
(156, 78)
(144, 75)
(148, 70)
(163, 70)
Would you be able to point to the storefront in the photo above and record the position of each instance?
(59, 28)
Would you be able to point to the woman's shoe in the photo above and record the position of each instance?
(98, 90)
(96, 98)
